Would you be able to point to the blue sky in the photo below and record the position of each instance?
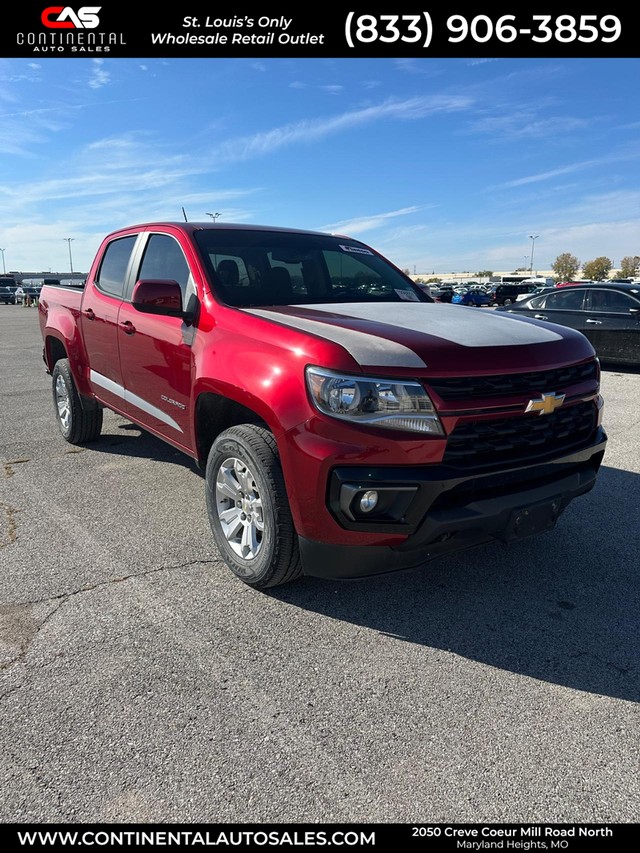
(441, 164)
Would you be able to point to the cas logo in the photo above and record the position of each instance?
(64, 18)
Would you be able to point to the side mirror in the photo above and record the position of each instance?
(161, 296)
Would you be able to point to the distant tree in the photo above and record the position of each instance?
(598, 269)
(630, 266)
(434, 280)
(566, 266)
(483, 274)
(406, 271)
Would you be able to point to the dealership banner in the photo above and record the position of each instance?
(544, 28)
(358, 836)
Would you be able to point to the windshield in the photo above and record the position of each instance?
(279, 268)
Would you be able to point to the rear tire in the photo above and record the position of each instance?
(248, 508)
(79, 418)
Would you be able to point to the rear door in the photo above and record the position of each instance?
(612, 329)
(155, 350)
(99, 321)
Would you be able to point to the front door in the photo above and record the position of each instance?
(564, 306)
(155, 350)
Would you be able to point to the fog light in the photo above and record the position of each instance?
(368, 501)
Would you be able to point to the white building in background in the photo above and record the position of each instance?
(465, 277)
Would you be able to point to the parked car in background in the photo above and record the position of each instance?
(443, 294)
(608, 314)
(475, 298)
(574, 282)
(31, 295)
(535, 292)
(7, 296)
(505, 294)
(539, 281)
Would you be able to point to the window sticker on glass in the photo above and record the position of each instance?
(358, 250)
(407, 295)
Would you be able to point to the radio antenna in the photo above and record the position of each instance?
(185, 215)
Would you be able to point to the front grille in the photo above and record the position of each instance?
(509, 384)
(475, 444)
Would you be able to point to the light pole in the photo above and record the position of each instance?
(214, 216)
(68, 240)
(533, 245)
(4, 269)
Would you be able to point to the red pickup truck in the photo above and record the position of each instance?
(348, 425)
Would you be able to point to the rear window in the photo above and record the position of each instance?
(281, 268)
(115, 263)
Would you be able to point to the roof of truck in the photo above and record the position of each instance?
(226, 226)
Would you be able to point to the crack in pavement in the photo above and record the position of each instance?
(11, 612)
(12, 525)
(25, 643)
(112, 581)
(8, 466)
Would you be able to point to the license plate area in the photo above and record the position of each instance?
(534, 518)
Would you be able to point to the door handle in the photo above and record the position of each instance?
(540, 317)
(127, 327)
(89, 314)
(595, 322)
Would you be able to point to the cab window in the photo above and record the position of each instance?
(113, 269)
(163, 259)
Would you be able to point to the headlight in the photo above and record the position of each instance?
(373, 402)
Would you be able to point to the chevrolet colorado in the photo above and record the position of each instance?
(346, 423)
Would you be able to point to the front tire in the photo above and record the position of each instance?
(248, 507)
(79, 419)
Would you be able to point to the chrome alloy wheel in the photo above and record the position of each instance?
(63, 403)
(239, 507)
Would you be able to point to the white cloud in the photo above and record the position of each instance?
(360, 224)
(100, 76)
(552, 173)
(117, 170)
(521, 125)
(311, 130)
(422, 67)
(482, 61)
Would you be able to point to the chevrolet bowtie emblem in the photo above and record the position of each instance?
(546, 404)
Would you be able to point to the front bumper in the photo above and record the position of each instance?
(440, 510)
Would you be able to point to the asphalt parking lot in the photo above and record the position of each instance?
(140, 681)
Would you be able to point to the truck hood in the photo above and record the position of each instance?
(439, 337)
